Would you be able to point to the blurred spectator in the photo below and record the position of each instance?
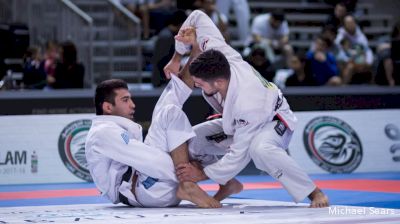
(395, 52)
(34, 76)
(153, 13)
(165, 47)
(51, 58)
(322, 63)
(271, 32)
(329, 32)
(220, 20)
(69, 73)
(299, 76)
(384, 70)
(242, 15)
(355, 56)
(259, 61)
(350, 5)
(336, 19)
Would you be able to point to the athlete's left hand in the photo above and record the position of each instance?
(188, 172)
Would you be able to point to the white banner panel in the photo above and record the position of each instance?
(50, 148)
(347, 141)
(43, 148)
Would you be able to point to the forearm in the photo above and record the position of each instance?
(184, 73)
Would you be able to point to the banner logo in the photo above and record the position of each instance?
(71, 146)
(332, 144)
(393, 133)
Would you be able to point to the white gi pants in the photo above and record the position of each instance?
(169, 128)
(267, 151)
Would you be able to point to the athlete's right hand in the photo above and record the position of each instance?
(171, 68)
(173, 65)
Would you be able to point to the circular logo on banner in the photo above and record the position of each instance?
(332, 144)
(71, 146)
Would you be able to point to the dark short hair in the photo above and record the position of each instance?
(325, 39)
(210, 65)
(105, 92)
(278, 15)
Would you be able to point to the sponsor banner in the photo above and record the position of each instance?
(50, 148)
(43, 148)
(347, 141)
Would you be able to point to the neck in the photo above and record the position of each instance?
(224, 89)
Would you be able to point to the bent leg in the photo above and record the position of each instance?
(210, 141)
(268, 153)
(170, 131)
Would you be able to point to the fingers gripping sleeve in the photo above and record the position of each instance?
(208, 35)
(143, 158)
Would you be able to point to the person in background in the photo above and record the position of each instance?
(270, 31)
(299, 76)
(153, 14)
(384, 68)
(165, 47)
(51, 58)
(395, 52)
(322, 64)
(220, 20)
(241, 10)
(69, 73)
(336, 19)
(260, 62)
(355, 56)
(34, 75)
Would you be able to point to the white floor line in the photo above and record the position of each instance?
(234, 211)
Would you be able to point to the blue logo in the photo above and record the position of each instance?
(125, 137)
(149, 182)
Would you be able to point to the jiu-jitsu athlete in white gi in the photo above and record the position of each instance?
(137, 173)
(257, 123)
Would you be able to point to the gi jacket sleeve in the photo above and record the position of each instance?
(115, 143)
(236, 159)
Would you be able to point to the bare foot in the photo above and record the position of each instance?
(192, 192)
(318, 199)
(231, 187)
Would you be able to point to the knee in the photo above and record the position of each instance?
(260, 147)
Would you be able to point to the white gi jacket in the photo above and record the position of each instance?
(115, 143)
(251, 101)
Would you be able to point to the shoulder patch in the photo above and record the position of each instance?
(240, 122)
(204, 44)
(125, 137)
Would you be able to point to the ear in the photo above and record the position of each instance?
(219, 82)
(107, 108)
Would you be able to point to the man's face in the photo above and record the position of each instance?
(209, 89)
(124, 105)
(350, 25)
(340, 11)
(320, 45)
(295, 63)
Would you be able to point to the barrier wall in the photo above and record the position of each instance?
(339, 130)
(50, 148)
